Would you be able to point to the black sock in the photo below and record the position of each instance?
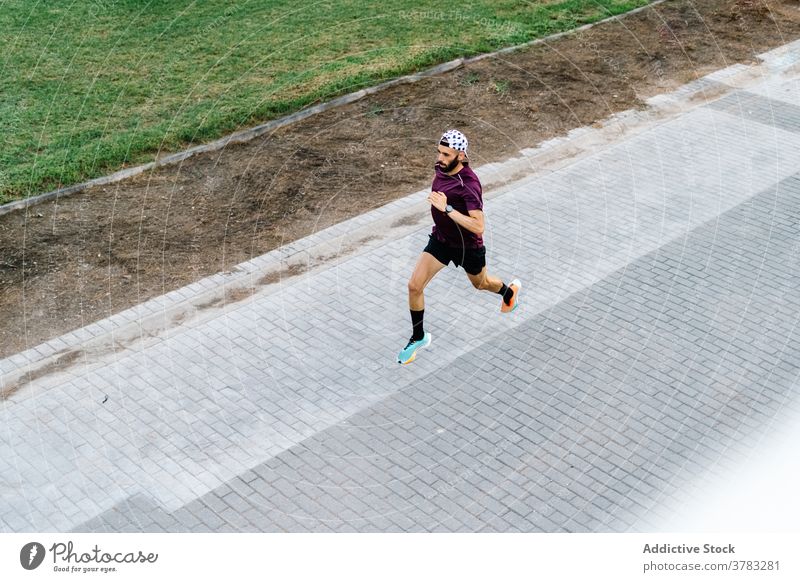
(507, 293)
(416, 324)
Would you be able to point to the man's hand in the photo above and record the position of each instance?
(438, 200)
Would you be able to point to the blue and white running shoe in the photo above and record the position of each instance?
(409, 353)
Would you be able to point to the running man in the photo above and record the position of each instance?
(457, 209)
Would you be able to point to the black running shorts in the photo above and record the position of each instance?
(473, 260)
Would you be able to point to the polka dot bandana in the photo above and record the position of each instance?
(454, 139)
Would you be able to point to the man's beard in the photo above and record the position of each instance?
(449, 167)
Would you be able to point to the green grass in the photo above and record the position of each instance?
(470, 79)
(500, 87)
(90, 86)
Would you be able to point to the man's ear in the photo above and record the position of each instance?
(461, 156)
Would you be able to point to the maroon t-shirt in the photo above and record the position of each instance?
(464, 193)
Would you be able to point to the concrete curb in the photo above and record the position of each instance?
(247, 135)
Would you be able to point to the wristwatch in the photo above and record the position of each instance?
(448, 209)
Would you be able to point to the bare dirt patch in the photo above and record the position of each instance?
(67, 263)
(63, 362)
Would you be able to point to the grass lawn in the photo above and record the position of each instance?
(89, 86)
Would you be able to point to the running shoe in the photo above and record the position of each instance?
(409, 353)
(512, 305)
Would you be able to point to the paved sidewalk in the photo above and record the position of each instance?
(656, 345)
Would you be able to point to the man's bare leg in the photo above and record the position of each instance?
(426, 269)
(485, 282)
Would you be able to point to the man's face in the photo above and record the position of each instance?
(448, 158)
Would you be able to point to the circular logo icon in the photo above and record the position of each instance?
(31, 555)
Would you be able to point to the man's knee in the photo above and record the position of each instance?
(415, 287)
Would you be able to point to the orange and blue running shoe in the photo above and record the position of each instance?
(516, 286)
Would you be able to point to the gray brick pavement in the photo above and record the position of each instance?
(565, 473)
(762, 109)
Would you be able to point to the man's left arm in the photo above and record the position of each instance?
(473, 222)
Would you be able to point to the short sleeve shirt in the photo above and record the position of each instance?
(464, 193)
